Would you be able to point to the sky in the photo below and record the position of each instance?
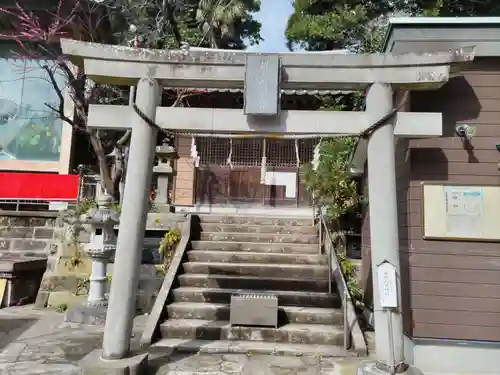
(273, 16)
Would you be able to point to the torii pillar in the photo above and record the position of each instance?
(384, 228)
(378, 73)
(134, 211)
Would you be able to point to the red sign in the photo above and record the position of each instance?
(39, 186)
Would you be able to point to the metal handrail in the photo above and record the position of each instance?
(341, 282)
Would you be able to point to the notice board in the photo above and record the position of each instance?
(460, 212)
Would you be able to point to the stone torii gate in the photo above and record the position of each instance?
(262, 76)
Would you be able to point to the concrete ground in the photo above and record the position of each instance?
(38, 342)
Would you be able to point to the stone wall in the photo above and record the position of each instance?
(30, 234)
(26, 240)
(65, 279)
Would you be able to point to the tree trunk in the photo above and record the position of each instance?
(106, 180)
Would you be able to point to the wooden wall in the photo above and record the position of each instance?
(184, 179)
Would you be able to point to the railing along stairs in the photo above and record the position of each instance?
(353, 336)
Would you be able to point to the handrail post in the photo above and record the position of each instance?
(352, 330)
(328, 251)
(330, 271)
(347, 331)
(320, 222)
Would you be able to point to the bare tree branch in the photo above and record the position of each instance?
(124, 139)
(60, 109)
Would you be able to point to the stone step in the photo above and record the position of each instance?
(286, 314)
(194, 329)
(250, 347)
(251, 257)
(260, 238)
(251, 228)
(284, 248)
(252, 282)
(294, 271)
(255, 220)
(285, 297)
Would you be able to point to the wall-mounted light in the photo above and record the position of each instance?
(497, 146)
(465, 132)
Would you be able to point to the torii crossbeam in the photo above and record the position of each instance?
(234, 121)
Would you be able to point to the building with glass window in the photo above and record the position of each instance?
(31, 134)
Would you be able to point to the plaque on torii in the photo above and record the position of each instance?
(262, 92)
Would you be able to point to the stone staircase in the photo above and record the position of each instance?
(244, 254)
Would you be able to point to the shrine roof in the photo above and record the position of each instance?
(430, 34)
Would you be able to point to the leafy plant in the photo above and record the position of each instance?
(82, 288)
(168, 243)
(331, 184)
(333, 189)
(84, 205)
(349, 273)
(160, 271)
(62, 307)
(75, 261)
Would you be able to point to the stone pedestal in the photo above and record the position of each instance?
(94, 364)
(93, 312)
(98, 280)
(376, 368)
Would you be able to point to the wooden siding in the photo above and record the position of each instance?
(184, 178)
(451, 289)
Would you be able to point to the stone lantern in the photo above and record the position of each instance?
(100, 222)
(164, 171)
(101, 247)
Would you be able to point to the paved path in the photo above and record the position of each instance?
(236, 364)
(38, 342)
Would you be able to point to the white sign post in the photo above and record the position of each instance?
(388, 294)
(386, 273)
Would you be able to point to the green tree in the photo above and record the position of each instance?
(165, 24)
(455, 8)
(330, 183)
(318, 25)
(228, 22)
(359, 25)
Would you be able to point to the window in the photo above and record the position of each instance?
(29, 130)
